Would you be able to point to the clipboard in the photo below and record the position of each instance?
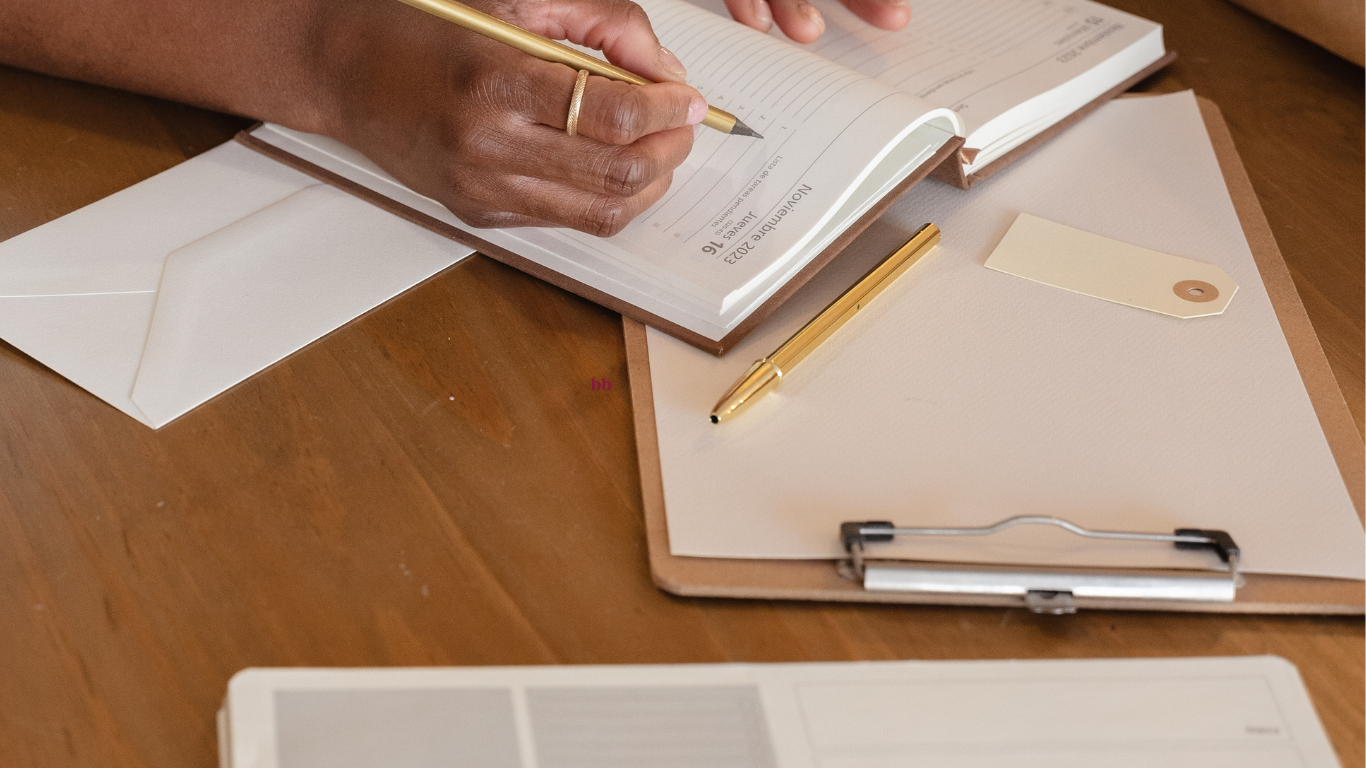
(822, 580)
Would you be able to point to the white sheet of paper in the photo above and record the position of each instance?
(1248, 712)
(962, 396)
(165, 294)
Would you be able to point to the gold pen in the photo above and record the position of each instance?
(546, 49)
(765, 375)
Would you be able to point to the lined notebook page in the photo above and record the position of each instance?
(982, 58)
(739, 208)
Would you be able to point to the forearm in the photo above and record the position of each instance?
(258, 58)
(470, 122)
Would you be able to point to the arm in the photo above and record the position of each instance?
(465, 120)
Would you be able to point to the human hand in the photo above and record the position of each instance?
(480, 126)
(800, 20)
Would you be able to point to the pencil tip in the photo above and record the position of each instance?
(740, 129)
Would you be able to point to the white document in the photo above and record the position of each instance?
(167, 293)
(1247, 712)
(963, 396)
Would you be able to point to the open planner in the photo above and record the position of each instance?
(965, 396)
(1251, 712)
(849, 125)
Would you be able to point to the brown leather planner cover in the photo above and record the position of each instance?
(818, 579)
(945, 165)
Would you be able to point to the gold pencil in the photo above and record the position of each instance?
(549, 50)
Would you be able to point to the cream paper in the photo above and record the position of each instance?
(1065, 257)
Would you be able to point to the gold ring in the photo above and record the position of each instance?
(575, 103)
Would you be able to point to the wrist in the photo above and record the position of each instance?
(326, 47)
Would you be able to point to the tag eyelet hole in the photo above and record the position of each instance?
(1197, 291)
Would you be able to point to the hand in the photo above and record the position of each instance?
(801, 22)
(479, 126)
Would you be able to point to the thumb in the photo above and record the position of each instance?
(618, 28)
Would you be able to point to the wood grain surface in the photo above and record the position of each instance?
(438, 483)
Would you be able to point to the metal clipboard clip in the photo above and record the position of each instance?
(1042, 590)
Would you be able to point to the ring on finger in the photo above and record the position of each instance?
(576, 103)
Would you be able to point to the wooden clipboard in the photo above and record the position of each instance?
(819, 580)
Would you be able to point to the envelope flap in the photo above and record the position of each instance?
(118, 244)
(251, 293)
(94, 341)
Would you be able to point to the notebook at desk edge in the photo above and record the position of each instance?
(945, 165)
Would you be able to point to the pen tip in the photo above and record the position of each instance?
(714, 419)
(740, 129)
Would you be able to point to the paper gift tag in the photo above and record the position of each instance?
(1058, 255)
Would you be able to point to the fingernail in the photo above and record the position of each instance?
(671, 63)
(697, 111)
(814, 16)
(763, 15)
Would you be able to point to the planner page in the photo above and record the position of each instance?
(1007, 68)
(1248, 712)
(739, 209)
(742, 215)
(561, 255)
(962, 396)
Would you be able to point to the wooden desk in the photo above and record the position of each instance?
(436, 483)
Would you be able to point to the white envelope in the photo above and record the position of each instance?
(167, 293)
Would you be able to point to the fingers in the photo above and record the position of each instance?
(599, 215)
(628, 135)
(798, 19)
(594, 167)
(543, 203)
(752, 13)
(611, 112)
(620, 113)
(618, 28)
(883, 14)
(509, 147)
